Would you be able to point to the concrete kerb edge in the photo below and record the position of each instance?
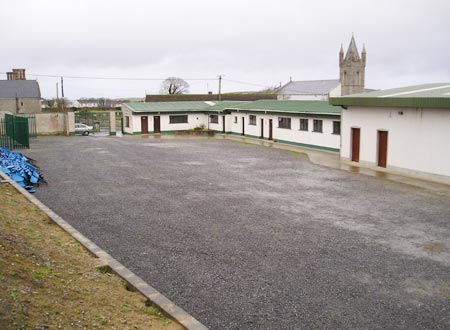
(165, 304)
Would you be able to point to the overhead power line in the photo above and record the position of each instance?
(105, 78)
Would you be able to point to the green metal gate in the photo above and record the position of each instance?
(32, 131)
(14, 132)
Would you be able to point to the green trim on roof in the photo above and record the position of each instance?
(416, 102)
(167, 106)
(317, 107)
(420, 96)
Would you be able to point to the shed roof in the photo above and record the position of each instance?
(419, 96)
(318, 107)
(10, 89)
(168, 106)
(310, 87)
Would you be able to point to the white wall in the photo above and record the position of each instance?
(418, 139)
(325, 139)
(194, 120)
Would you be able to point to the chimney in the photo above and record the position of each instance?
(19, 74)
(10, 76)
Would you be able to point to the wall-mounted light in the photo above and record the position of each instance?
(400, 113)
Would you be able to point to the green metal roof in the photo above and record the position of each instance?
(316, 107)
(220, 106)
(168, 106)
(420, 96)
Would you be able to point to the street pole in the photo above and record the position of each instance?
(220, 87)
(66, 119)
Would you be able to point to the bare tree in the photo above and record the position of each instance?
(174, 85)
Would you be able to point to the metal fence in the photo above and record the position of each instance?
(14, 132)
(32, 132)
(97, 119)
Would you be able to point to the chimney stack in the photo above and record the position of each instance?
(18, 74)
(10, 75)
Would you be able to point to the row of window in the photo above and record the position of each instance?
(283, 122)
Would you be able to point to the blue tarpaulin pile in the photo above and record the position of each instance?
(20, 169)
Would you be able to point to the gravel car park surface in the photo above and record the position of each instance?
(247, 237)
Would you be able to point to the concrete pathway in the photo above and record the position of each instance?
(332, 160)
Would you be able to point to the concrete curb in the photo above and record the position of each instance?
(166, 305)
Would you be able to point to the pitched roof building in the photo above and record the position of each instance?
(18, 95)
(351, 79)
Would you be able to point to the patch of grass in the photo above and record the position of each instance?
(31, 268)
(13, 294)
(41, 273)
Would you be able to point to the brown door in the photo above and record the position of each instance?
(144, 125)
(223, 124)
(382, 148)
(243, 125)
(262, 129)
(356, 134)
(270, 129)
(157, 124)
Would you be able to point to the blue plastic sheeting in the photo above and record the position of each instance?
(19, 168)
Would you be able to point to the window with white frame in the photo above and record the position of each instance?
(317, 125)
(337, 127)
(235, 119)
(284, 122)
(178, 119)
(304, 124)
(252, 120)
(214, 119)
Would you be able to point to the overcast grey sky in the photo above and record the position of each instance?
(253, 41)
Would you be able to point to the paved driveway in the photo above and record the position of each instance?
(246, 237)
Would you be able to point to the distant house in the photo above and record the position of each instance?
(18, 95)
(404, 129)
(312, 90)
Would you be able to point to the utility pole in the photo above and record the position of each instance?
(66, 119)
(220, 87)
(57, 97)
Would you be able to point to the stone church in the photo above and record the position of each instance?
(351, 79)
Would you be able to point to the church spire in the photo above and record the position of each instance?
(352, 69)
(352, 51)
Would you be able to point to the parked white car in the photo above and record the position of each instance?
(83, 129)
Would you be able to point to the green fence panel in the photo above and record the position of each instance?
(32, 131)
(14, 132)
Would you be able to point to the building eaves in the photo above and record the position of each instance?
(311, 107)
(420, 96)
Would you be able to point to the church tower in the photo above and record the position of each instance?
(352, 69)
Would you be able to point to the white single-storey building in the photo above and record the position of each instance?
(405, 129)
(314, 124)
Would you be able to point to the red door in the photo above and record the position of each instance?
(356, 135)
(262, 129)
(144, 125)
(270, 129)
(156, 124)
(382, 148)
